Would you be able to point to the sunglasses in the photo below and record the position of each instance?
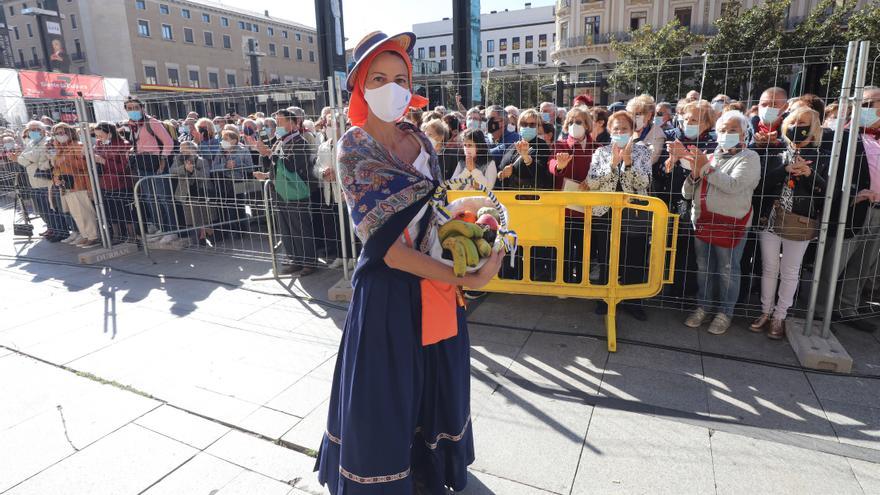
(577, 122)
(528, 124)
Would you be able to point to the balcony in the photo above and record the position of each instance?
(35, 63)
(591, 39)
(78, 56)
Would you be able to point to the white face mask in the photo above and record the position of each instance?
(226, 145)
(577, 131)
(768, 115)
(388, 102)
(640, 122)
(8, 146)
(105, 141)
(61, 138)
(511, 128)
(718, 106)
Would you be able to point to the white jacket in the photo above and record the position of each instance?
(34, 157)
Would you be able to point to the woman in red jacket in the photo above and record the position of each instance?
(571, 162)
(111, 155)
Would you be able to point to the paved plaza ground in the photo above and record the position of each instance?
(138, 378)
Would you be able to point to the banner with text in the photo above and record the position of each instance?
(53, 85)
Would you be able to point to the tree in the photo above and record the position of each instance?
(865, 25)
(651, 62)
(516, 87)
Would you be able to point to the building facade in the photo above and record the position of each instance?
(170, 44)
(520, 38)
(585, 27)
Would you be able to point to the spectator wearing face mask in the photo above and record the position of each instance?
(548, 116)
(718, 104)
(473, 119)
(512, 118)
(793, 221)
(524, 166)
(111, 157)
(643, 109)
(193, 189)
(599, 132)
(438, 133)
(35, 159)
(476, 164)
(70, 173)
(663, 117)
(501, 135)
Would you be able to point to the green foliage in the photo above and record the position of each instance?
(520, 89)
(651, 62)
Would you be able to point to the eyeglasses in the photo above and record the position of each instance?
(577, 122)
(528, 124)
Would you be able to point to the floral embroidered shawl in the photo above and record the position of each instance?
(377, 185)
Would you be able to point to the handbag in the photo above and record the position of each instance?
(792, 226)
(289, 185)
(45, 174)
(717, 229)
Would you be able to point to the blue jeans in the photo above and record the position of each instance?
(54, 221)
(156, 193)
(718, 275)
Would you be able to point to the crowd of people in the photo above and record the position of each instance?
(748, 181)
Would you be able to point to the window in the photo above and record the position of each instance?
(166, 32)
(77, 50)
(285, 52)
(150, 76)
(209, 38)
(542, 41)
(224, 22)
(230, 79)
(274, 79)
(241, 25)
(284, 34)
(421, 52)
(188, 35)
(684, 16)
(144, 28)
(30, 31)
(34, 55)
(443, 65)
(530, 42)
(591, 26)
(270, 30)
(193, 78)
(312, 56)
(515, 43)
(272, 52)
(255, 28)
(530, 58)
(637, 20)
(163, 9)
(213, 80)
(15, 32)
(299, 53)
(515, 59)
(542, 56)
(173, 77)
(206, 18)
(442, 51)
(490, 46)
(140, 5)
(311, 39)
(299, 37)
(502, 60)
(502, 45)
(185, 14)
(490, 61)
(227, 42)
(72, 21)
(432, 52)
(11, 11)
(21, 56)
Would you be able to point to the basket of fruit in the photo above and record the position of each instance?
(470, 228)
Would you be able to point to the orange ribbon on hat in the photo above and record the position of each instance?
(358, 109)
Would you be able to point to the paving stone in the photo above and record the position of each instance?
(480, 483)
(560, 360)
(269, 422)
(654, 387)
(867, 474)
(510, 309)
(491, 356)
(763, 396)
(309, 432)
(249, 483)
(854, 424)
(127, 461)
(862, 391)
(182, 426)
(657, 359)
(499, 335)
(635, 453)
(552, 427)
(741, 342)
(304, 395)
(663, 327)
(203, 474)
(746, 465)
(266, 458)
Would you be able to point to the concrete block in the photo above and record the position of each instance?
(102, 254)
(341, 291)
(814, 351)
(175, 245)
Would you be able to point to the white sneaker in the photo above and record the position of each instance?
(168, 238)
(696, 318)
(152, 229)
(720, 324)
(337, 263)
(72, 238)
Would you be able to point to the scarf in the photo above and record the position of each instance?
(377, 185)
(357, 107)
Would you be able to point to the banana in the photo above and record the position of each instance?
(484, 248)
(459, 256)
(458, 227)
(470, 249)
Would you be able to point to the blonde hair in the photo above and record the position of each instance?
(229, 133)
(579, 111)
(704, 111)
(209, 124)
(640, 104)
(531, 112)
(438, 127)
(815, 124)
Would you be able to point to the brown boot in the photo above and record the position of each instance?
(777, 329)
(758, 325)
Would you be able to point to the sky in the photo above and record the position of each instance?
(364, 16)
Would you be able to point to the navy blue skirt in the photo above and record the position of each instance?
(399, 411)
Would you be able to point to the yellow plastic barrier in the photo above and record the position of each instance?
(538, 218)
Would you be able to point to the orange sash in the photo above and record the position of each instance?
(439, 301)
